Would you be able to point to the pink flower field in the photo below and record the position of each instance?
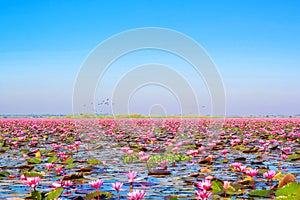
(241, 158)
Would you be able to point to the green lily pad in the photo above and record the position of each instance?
(260, 193)
(291, 189)
(24, 150)
(217, 186)
(52, 159)
(224, 161)
(35, 195)
(50, 154)
(102, 194)
(288, 197)
(71, 166)
(69, 161)
(32, 174)
(34, 161)
(94, 162)
(4, 174)
(294, 157)
(54, 193)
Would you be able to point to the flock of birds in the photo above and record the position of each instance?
(102, 106)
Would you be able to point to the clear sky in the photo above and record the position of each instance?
(255, 45)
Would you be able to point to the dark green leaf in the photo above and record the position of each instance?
(4, 174)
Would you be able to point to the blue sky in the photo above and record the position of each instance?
(254, 44)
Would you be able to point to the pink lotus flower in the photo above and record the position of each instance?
(77, 143)
(224, 152)
(120, 136)
(204, 185)
(130, 152)
(287, 150)
(96, 183)
(131, 176)
(125, 149)
(63, 155)
(156, 148)
(32, 181)
(202, 195)
(145, 158)
(23, 177)
(269, 174)
(49, 165)
(56, 146)
(71, 147)
(117, 186)
(58, 169)
(56, 185)
(67, 183)
(136, 195)
(252, 172)
(226, 185)
(209, 178)
(163, 164)
(242, 169)
(284, 156)
(141, 153)
(245, 141)
(175, 149)
(192, 152)
(236, 165)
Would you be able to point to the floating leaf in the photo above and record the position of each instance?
(34, 161)
(54, 193)
(24, 150)
(33, 174)
(94, 161)
(260, 193)
(69, 161)
(288, 197)
(4, 174)
(217, 186)
(71, 166)
(294, 157)
(103, 195)
(35, 195)
(235, 192)
(52, 159)
(50, 154)
(291, 189)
